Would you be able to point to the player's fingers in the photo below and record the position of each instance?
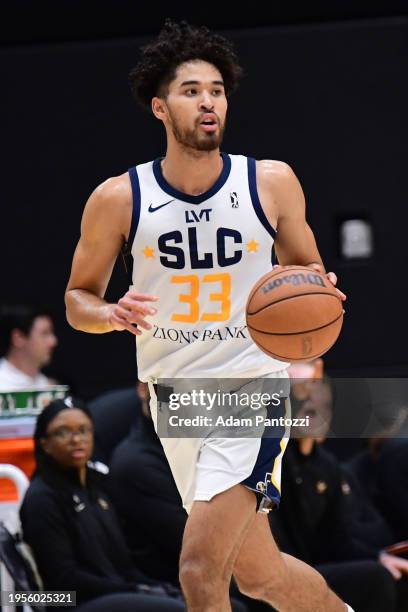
(121, 312)
(317, 267)
(132, 329)
(332, 277)
(395, 572)
(132, 317)
(139, 321)
(142, 297)
(388, 561)
(403, 565)
(136, 306)
(126, 325)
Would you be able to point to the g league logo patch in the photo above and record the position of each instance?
(234, 199)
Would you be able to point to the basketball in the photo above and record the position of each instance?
(294, 314)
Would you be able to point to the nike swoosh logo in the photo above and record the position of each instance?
(152, 209)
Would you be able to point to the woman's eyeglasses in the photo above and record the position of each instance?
(65, 434)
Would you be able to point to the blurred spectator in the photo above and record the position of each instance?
(27, 342)
(143, 491)
(382, 466)
(311, 525)
(114, 413)
(326, 520)
(382, 471)
(71, 526)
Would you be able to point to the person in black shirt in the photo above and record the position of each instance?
(382, 471)
(71, 526)
(325, 518)
(143, 490)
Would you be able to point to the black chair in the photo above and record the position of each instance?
(17, 565)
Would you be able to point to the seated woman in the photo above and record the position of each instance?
(71, 526)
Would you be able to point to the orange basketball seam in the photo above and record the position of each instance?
(306, 331)
(290, 297)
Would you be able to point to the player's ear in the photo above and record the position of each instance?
(159, 108)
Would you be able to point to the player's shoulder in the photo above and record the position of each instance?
(112, 197)
(113, 189)
(273, 171)
(278, 178)
(109, 206)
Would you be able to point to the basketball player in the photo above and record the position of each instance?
(200, 225)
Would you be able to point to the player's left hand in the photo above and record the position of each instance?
(331, 276)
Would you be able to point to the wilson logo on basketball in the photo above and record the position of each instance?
(295, 280)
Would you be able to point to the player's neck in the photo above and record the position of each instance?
(191, 172)
(23, 363)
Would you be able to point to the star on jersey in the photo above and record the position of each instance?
(252, 246)
(148, 252)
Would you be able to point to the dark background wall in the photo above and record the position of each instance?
(325, 93)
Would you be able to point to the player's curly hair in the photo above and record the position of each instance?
(178, 43)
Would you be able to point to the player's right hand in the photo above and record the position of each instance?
(130, 311)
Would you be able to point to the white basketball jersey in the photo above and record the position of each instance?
(201, 255)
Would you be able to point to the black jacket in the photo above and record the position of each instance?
(384, 478)
(75, 535)
(324, 517)
(148, 503)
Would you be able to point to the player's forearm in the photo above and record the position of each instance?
(87, 312)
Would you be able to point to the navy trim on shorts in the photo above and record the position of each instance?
(260, 479)
(255, 198)
(185, 197)
(134, 181)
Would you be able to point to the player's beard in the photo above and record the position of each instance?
(192, 139)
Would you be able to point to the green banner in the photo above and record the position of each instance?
(28, 402)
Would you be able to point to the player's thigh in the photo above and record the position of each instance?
(214, 527)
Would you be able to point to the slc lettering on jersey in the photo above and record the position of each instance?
(175, 256)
